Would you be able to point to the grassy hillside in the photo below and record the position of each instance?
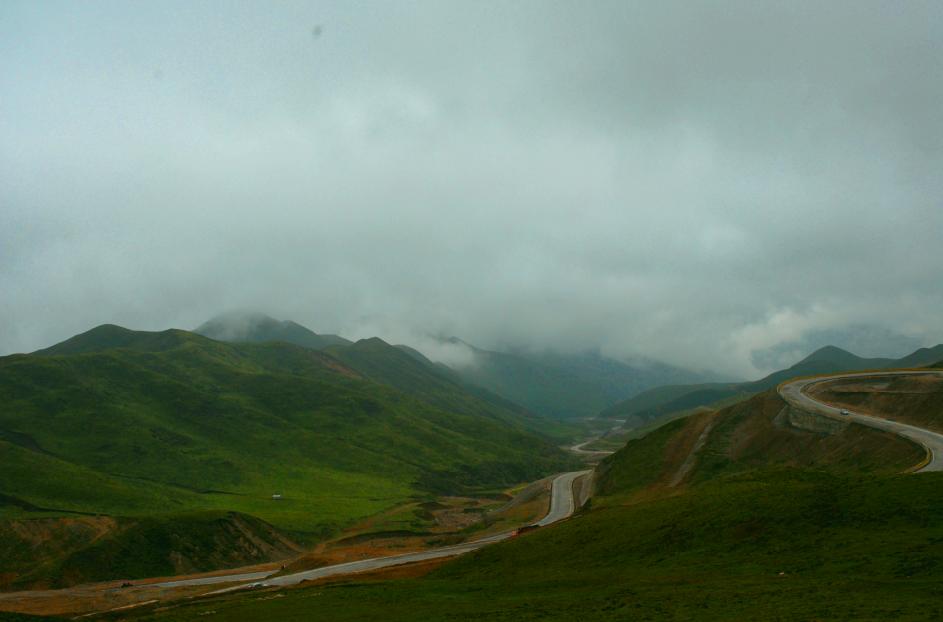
(663, 400)
(174, 423)
(820, 531)
(399, 366)
(409, 371)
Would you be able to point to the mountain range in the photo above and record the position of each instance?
(555, 385)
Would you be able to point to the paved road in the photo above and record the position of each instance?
(246, 576)
(578, 449)
(561, 498)
(795, 394)
(562, 505)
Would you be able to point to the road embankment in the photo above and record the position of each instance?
(797, 395)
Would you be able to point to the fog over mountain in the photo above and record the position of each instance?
(707, 184)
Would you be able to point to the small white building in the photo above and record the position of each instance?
(276, 497)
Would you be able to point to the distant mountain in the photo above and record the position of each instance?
(565, 386)
(258, 328)
(922, 357)
(823, 361)
(865, 340)
(667, 399)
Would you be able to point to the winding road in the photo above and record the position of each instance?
(794, 392)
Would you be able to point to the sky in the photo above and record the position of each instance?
(710, 184)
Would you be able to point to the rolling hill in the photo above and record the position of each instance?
(140, 424)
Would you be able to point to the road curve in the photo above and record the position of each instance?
(794, 393)
(596, 453)
(562, 505)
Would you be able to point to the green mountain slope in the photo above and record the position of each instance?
(258, 327)
(196, 424)
(545, 383)
(660, 401)
(409, 371)
(109, 336)
(922, 357)
(400, 366)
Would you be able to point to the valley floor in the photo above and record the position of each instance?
(409, 527)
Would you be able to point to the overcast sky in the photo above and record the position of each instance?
(695, 182)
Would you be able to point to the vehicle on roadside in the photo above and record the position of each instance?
(843, 412)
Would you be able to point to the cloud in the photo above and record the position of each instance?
(683, 181)
(455, 354)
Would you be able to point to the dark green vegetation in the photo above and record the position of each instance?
(260, 328)
(821, 531)
(654, 403)
(136, 424)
